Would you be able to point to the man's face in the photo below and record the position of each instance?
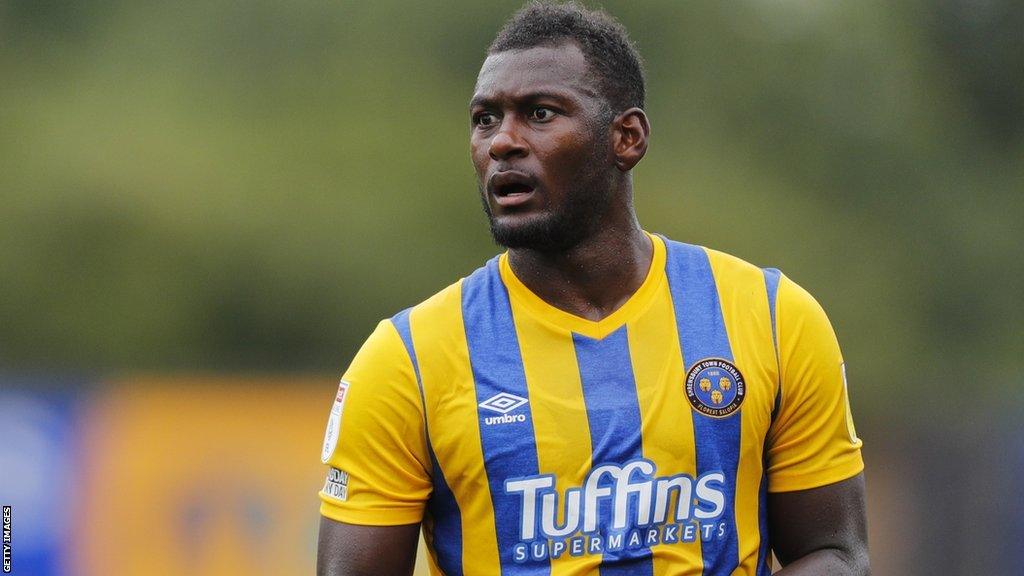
(541, 147)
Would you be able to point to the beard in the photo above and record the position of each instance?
(557, 230)
(566, 225)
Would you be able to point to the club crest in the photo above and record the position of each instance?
(715, 387)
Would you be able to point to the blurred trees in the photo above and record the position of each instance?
(251, 186)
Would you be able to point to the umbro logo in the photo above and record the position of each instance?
(503, 403)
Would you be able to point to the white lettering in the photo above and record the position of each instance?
(623, 489)
(549, 513)
(638, 499)
(683, 485)
(690, 533)
(505, 419)
(529, 487)
(592, 492)
(707, 530)
(557, 547)
(519, 552)
(670, 534)
(710, 494)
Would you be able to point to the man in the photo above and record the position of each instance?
(596, 400)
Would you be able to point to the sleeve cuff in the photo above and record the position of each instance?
(786, 483)
(369, 517)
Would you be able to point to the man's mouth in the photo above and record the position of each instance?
(511, 188)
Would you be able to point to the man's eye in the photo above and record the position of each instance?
(542, 114)
(484, 119)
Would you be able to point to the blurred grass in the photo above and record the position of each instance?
(224, 186)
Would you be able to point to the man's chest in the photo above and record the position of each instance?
(595, 442)
(566, 414)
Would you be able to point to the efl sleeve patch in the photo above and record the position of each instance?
(334, 423)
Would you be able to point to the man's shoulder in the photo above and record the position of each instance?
(445, 305)
(726, 267)
(738, 279)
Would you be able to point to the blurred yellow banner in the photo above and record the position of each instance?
(202, 476)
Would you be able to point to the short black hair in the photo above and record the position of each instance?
(610, 54)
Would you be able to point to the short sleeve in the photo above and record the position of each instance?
(812, 441)
(375, 444)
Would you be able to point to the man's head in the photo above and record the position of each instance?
(557, 123)
(615, 66)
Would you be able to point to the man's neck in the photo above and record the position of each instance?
(595, 277)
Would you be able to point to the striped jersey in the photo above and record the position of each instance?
(530, 441)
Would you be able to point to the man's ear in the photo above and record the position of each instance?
(630, 131)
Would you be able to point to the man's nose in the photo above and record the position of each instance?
(507, 142)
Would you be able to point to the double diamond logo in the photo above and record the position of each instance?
(503, 403)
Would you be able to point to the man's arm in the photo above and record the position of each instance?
(816, 509)
(353, 550)
(821, 530)
(379, 479)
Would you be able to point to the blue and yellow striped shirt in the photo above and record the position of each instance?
(528, 440)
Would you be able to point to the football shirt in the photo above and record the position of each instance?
(528, 440)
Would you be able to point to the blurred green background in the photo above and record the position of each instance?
(248, 187)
